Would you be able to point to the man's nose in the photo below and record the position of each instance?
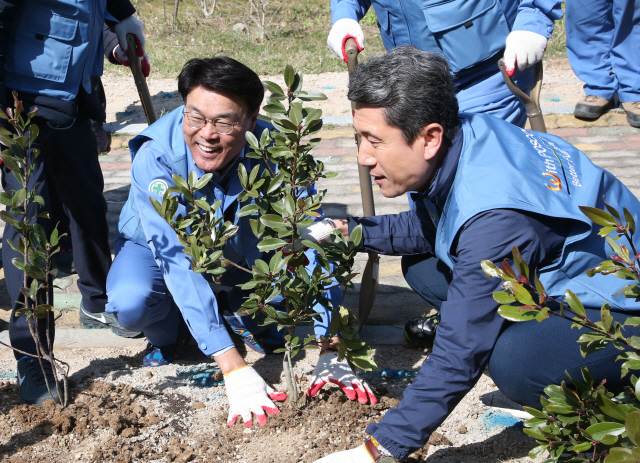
(365, 158)
(209, 131)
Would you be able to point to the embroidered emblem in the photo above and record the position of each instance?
(158, 187)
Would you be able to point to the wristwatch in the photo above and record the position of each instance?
(371, 445)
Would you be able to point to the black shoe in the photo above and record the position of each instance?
(63, 259)
(33, 388)
(422, 331)
(89, 320)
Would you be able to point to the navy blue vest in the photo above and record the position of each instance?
(504, 167)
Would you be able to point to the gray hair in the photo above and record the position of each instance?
(414, 87)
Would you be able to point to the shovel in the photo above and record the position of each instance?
(369, 285)
(139, 79)
(532, 103)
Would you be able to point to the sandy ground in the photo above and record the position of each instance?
(560, 88)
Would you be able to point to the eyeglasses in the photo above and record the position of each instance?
(196, 121)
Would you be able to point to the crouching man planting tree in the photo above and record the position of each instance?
(483, 186)
(197, 149)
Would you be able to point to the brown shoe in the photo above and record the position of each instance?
(591, 107)
(633, 113)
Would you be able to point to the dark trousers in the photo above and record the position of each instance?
(70, 173)
(528, 356)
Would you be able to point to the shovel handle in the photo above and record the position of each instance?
(351, 50)
(532, 103)
(140, 81)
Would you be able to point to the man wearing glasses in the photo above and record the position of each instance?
(151, 287)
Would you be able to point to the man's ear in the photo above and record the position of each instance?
(254, 119)
(432, 136)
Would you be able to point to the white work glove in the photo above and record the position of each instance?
(319, 231)
(249, 394)
(523, 49)
(357, 455)
(342, 30)
(329, 370)
(131, 25)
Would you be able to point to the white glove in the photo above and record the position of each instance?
(248, 393)
(342, 30)
(329, 370)
(523, 49)
(357, 455)
(131, 25)
(319, 231)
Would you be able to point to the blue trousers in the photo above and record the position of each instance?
(488, 94)
(603, 44)
(139, 297)
(527, 357)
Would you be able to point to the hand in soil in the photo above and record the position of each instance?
(248, 394)
(329, 370)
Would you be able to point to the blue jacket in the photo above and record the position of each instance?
(51, 47)
(158, 153)
(471, 34)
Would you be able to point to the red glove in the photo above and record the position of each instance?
(342, 30)
(329, 370)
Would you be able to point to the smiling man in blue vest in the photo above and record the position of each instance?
(483, 186)
(151, 286)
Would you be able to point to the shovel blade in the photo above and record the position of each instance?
(368, 288)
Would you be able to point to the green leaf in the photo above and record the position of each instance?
(574, 302)
(244, 176)
(491, 270)
(311, 95)
(270, 244)
(356, 235)
(601, 430)
(272, 220)
(598, 216)
(289, 75)
(582, 447)
(520, 292)
(614, 246)
(620, 455)
(514, 314)
(273, 87)
(610, 408)
(503, 297)
(521, 265)
(632, 425)
(630, 220)
(248, 210)
(252, 140)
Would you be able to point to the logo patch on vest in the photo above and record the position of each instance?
(556, 183)
(158, 187)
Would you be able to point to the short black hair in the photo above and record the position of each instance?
(414, 87)
(224, 75)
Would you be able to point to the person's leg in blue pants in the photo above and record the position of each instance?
(625, 50)
(590, 36)
(138, 295)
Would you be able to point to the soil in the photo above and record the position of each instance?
(560, 88)
(124, 413)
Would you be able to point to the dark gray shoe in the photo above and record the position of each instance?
(101, 320)
(421, 332)
(592, 107)
(633, 113)
(33, 388)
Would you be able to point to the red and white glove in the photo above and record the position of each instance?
(131, 25)
(329, 370)
(248, 394)
(342, 30)
(523, 49)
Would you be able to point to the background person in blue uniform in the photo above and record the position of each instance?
(151, 285)
(472, 35)
(483, 186)
(49, 49)
(602, 44)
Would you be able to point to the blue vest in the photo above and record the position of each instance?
(504, 167)
(167, 132)
(466, 32)
(57, 46)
